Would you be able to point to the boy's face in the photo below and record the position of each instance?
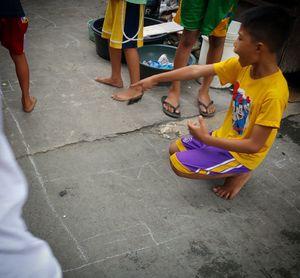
(246, 48)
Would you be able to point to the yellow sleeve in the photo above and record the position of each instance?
(228, 70)
(270, 113)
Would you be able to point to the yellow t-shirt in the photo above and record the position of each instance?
(254, 102)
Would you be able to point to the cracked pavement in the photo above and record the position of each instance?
(100, 188)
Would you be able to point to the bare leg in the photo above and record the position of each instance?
(183, 51)
(115, 78)
(22, 71)
(133, 64)
(214, 54)
(231, 187)
(173, 148)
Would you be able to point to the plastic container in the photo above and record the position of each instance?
(152, 8)
(90, 30)
(102, 44)
(153, 52)
(231, 36)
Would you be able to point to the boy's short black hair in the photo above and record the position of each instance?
(268, 24)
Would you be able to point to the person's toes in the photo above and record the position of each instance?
(215, 189)
(227, 195)
(116, 97)
(222, 193)
(168, 107)
(219, 191)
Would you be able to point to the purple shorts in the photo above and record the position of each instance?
(197, 157)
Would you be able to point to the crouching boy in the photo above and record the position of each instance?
(259, 99)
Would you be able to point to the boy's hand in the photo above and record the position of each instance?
(200, 131)
(146, 83)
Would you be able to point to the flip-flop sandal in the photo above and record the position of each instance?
(205, 112)
(135, 99)
(173, 114)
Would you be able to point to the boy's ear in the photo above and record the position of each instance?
(259, 46)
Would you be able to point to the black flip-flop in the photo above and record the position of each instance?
(205, 113)
(135, 99)
(173, 114)
(130, 100)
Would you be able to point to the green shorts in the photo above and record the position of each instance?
(206, 15)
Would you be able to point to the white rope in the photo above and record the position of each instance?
(140, 25)
(123, 31)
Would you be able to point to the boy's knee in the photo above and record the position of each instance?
(173, 148)
(189, 38)
(187, 42)
(176, 171)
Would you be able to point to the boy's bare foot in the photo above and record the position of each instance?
(28, 105)
(227, 191)
(130, 93)
(118, 83)
(232, 186)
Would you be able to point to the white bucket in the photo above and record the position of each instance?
(232, 34)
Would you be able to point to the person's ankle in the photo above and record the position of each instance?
(203, 97)
(137, 89)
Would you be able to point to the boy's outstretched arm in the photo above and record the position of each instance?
(185, 73)
(250, 145)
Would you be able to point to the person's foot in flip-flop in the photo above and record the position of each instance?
(206, 107)
(28, 104)
(170, 109)
(132, 95)
(115, 82)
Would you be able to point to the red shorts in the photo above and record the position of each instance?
(12, 30)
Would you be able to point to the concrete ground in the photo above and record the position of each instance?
(101, 191)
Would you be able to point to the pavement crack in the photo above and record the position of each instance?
(143, 130)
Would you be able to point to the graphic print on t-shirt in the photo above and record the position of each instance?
(240, 109)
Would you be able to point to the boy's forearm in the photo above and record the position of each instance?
(185, 73)
(253, 144)
(234, 145)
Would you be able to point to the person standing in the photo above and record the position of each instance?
(123, 27)
(260, 96)
(13, 26)
(206, 17)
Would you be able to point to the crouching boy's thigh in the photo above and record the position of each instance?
(206, 162)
